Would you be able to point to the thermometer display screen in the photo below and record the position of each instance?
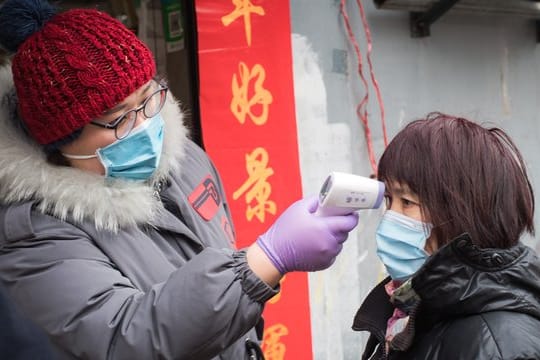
(325, 188)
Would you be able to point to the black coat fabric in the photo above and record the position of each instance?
(20, 339)
(464, 303)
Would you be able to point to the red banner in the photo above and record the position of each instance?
(249, 130)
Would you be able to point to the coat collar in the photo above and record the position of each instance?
(76, 195)
(459, 280)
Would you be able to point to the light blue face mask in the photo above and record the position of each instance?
(400, 244)
(136, 157)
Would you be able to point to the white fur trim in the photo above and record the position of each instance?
(70, 193)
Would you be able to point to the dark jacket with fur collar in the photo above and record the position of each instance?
(465, 303)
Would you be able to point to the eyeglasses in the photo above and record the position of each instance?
(123, 125)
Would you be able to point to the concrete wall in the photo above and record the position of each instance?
(483, 67)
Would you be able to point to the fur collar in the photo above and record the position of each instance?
(69, 193)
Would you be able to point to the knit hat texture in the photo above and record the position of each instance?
(70, 67)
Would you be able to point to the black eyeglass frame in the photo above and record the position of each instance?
(113, 125)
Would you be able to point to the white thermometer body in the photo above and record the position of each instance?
(344, 193)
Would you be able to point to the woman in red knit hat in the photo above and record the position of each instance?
(100, 243)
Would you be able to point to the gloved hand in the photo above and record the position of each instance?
(299, 240)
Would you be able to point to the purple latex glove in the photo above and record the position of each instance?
(299, 240)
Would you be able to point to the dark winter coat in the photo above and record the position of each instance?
(465, 303)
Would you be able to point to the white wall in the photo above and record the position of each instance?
(482, 67)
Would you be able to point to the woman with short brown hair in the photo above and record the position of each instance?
(461, 285)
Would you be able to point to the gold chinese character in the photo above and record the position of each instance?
(242, 104)
(272, 348)
(243, 8)
(257, 188)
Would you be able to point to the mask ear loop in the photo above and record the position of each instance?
(139, 128)
(433, 227)
(79, 157)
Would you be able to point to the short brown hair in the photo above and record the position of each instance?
(468, 178)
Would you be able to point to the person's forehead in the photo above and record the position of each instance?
(399, 188)
(143, 90)
(140, 92)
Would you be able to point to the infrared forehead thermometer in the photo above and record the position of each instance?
(344, 193)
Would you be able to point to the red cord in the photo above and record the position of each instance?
(361, 109)
(373, 79)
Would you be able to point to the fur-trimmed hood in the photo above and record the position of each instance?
(70, 193)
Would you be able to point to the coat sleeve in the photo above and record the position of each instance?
(20, 339)
(67, 285)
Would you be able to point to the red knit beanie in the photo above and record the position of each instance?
(78, 65)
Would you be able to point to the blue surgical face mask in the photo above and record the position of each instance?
(400, 244)
(136, 157)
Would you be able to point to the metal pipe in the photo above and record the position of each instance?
(525, 8)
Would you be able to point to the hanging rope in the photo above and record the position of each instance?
(372, 73)
(361, 109)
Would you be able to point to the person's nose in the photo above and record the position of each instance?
(140, 118)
